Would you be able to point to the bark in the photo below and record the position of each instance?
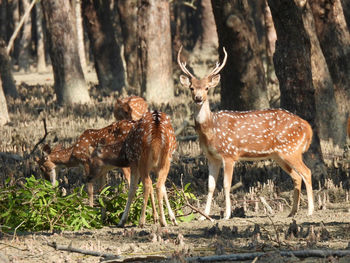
(108, 62)
(156, 57)
(128, 10)
(70, 85)
(3, 16)
(334, 39)
(5, 76)
(292, 61)
(40, 48)
(243, 85)
(206, 45)
(328, 120)
(8, 82)
(25, 39)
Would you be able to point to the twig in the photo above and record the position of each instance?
(14, 233)
(187, 138)
(42, 139)
(236, 186)
(15, 33)
(275, 228)
(320, 253)
(69, 248)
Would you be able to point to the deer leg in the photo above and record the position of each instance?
(147, 188)
(133, 186)
(162, 194)
(228, 172)
(303, 172)
(214, 168)
(52, 175)
(126, 172)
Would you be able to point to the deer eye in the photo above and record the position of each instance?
(191, 89)
(206, 88)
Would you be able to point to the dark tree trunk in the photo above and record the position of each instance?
(40, 47)
(327, 119)
(3, 19)
(108, 62)
(156, 56)
(334, 39)
(8, 83)
(292, 61)
(128, 10)
(243, 79)
(70, 85)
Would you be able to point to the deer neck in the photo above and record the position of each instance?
(203, 117)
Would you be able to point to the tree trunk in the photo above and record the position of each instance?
(3, 19)
(292, 61)
(128, 10)
(156, 56)
(80, 34)
(243, 78)
(8, 83)
(108, 62)
(327, 119)
(334, 39)
(70, 85)
(4, 115)
(206, 45)
(40, 49)
(25, 40)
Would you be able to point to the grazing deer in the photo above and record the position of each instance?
(80, 152)
(130, 108)
(148, 147)
(229, 136)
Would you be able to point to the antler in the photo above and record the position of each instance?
(183, 65)
(218, 67)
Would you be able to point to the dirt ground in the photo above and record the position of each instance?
(252, 230)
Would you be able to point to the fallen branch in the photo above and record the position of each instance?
(319, 253)
(69, 248)
(187, 138)
(13, 156)
(236, 186)
(136, 258)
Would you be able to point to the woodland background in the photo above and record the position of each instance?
(281, 53)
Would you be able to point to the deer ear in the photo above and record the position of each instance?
(214, 81)
(185, 81)
(46, 149)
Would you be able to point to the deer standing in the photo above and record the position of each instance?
(130, 108)
(229, 136)
(79, 154)
(148, 147)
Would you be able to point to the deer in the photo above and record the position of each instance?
(130, 108)
(79, 154)
(148, 147)
(230, 136)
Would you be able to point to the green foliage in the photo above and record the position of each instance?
(38, 206)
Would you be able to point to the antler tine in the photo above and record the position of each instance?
(219, 67)
(183, 65)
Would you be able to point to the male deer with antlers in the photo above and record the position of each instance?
(229, 136)
(148, 147)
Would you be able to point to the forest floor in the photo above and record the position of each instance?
(251, 230)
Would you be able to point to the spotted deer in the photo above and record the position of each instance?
(229, 136)
(148, 147)
(79, 154)
(130, 108)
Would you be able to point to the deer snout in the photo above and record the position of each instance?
(198, 99)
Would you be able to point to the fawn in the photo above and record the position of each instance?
(130, 108)
(79, 153)
(229, 136)
(148, 147)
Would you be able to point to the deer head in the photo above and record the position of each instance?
(200, 87)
